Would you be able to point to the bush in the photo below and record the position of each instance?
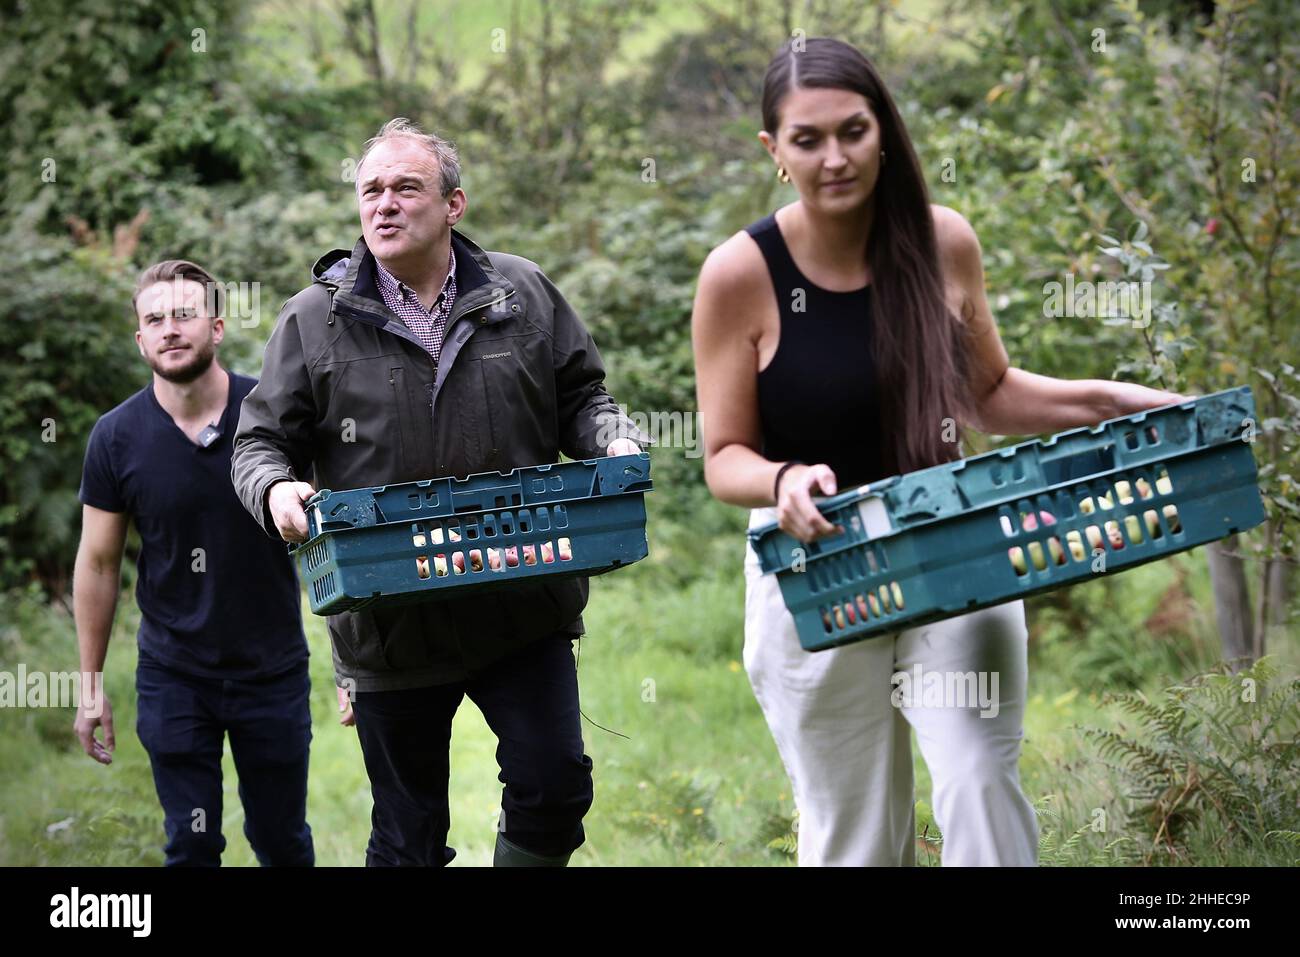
(67, 326)
(1218, 755)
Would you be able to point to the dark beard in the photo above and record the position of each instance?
(186, 374)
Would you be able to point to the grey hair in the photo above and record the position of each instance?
(443, 151)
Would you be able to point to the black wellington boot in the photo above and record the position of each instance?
(509, 854)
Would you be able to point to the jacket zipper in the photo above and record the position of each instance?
(433, 392)
(447, 338)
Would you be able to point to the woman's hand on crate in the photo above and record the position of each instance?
(285, 502)
(796, 513)
(1130, 398)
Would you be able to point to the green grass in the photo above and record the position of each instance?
(692, 782)
(687, 773)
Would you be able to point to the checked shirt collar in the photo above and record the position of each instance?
(429, 325)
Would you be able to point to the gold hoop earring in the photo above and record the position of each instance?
(782, 175)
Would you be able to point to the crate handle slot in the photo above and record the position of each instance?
(925, 496)
(1071, 463)
(1222, 418)
(620, 473)
(332, 511)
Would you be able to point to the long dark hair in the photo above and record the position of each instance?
(917, 343)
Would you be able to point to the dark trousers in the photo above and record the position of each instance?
(530, 701)
(182, 722)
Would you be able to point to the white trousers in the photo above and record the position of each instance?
(842, 727)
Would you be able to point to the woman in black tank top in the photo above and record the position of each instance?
(828, 331)
(840, 340)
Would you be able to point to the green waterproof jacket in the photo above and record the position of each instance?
(348, 396)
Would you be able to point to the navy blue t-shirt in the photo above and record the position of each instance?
(231, 610)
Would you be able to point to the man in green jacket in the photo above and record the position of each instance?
(414, 356)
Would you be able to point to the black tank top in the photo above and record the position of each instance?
(816, 398)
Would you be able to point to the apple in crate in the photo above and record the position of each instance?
(1075, 541)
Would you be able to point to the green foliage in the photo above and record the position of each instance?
(118, 95)
(93, 815)
(675, 810)
(67, 324)
(238, 155)
(1124, 631)
(1219, 751)
(62, 808)
(1160, 330)
(130, 138)
(1059, 849)
(619, 175)
(1277, 480)
(1104, 115)
(541, 99)
(780, 833)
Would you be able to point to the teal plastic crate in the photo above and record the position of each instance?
(441, 538)
(1018, 521)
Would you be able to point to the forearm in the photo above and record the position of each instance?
(591, 420)
(255, 467)
(738, 475)
(1029, 404)
(588, 418)
(272, 441)
(95, 588)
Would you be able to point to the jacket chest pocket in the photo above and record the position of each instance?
(513, 382)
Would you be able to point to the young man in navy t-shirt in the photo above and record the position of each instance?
(222, 649)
